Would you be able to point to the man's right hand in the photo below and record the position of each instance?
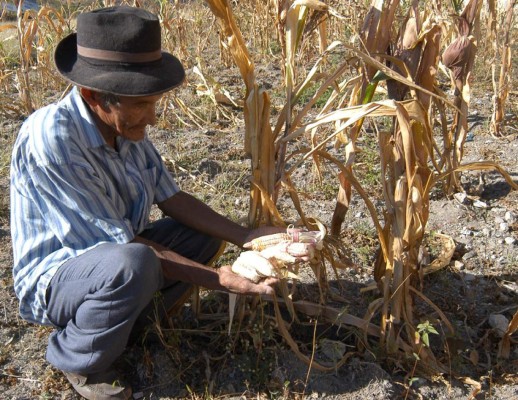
(237, 284)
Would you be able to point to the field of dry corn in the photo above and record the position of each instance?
(295, 111)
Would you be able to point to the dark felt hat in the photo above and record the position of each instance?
(118, 50)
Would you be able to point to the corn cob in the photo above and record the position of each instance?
(278, 255)
(305, 251)
(260, 263)
(246, 271)
(254, 266)
(292, 235)
(270, 253)
(266, 241)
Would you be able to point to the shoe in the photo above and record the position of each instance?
(105, 385)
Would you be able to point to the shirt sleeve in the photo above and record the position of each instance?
(76, 207)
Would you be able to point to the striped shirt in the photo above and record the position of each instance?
(70, 192)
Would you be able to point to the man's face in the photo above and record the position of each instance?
(129, 117)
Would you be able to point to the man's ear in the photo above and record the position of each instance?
(92, 98)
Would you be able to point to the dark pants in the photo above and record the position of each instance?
(96, 298)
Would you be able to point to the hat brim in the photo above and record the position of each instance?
(119, 79)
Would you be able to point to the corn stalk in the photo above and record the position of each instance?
(459, 57)
(27, 28)
(258, 133)
(502, 79)
(375, 39)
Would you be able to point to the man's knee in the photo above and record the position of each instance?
(137, 265)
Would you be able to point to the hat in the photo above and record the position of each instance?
(118, 50)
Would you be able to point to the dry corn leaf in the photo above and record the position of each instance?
(504, 349)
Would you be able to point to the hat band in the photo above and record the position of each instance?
(119, 56)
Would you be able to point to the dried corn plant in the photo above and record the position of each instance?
(408, 153)
(27, 28)
(459, 57)
(502, 78)
(38, 32)
(258, 134)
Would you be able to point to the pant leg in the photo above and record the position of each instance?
(186, 242)
(94, 299)
(182, 240)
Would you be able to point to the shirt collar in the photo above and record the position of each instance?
(88, 132)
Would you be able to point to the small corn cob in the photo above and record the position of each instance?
(278, 255)
(305, 251)
(263, 242)
(261, 264)
(246, 271)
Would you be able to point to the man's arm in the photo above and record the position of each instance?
(176, 267)
(193, 213)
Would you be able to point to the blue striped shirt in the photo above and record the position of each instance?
(70, 192)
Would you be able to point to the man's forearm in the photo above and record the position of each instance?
(177, 267)
(190, 211)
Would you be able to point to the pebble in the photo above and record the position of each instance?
(417, 382)
(510, 217)
(469, 277)
(469, 254)
(499, 220)
(462, 198)
(499, 323)
(486, 232)
(459, 265)
(479, 204)
(510, 240)
(466, 232)
(504, 227)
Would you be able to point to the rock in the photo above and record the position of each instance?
(459, 265)
(469, 277)
(504, 227)
(479, 204)
(211, 167)
(510, 217)
(462, 198)
(499, 323)
(510, 240)
(466, 232)
(469, 254)
(418, 382)
(499, 220)
(332, 349)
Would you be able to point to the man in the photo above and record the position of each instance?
(83, 179)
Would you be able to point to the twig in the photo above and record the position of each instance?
(20, 378)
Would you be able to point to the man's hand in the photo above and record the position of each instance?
(237, 284)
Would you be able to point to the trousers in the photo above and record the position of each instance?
(95, 299)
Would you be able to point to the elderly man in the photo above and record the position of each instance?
(83, 179)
